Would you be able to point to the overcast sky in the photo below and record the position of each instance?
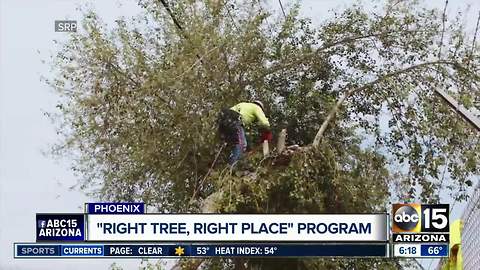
(31, 182)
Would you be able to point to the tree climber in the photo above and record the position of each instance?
(233, 121)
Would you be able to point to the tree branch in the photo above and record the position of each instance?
(351, 91)
(327, 46)
(174, 19)
(177, 24)
(283, 10)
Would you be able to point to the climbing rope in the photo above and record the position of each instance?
(208, 173)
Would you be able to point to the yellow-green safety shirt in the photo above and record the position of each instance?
(251, 112)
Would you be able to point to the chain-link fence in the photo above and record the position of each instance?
(471, 233)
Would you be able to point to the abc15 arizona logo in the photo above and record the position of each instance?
(420, 218)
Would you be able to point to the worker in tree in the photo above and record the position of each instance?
(233, 121)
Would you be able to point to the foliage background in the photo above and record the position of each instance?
(139, 104)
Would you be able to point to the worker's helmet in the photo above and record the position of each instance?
(259, 103)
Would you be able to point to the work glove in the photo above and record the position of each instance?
(266, 136)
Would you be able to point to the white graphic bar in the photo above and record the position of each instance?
(237, 227)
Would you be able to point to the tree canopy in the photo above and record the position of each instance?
(139, 102)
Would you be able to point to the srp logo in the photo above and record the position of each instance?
(417, 218)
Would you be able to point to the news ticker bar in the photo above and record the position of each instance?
(37, 250)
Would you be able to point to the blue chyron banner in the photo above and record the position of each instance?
(60, 227)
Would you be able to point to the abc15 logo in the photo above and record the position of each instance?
(416, 218)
